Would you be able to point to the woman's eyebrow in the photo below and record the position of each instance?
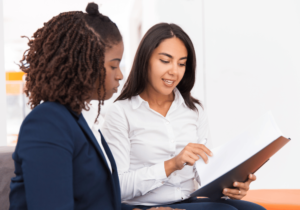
(116, 59)
(170, 56)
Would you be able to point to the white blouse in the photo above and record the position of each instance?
(141, 140)
(90, 117)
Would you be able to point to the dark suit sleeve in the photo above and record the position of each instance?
(45, 151)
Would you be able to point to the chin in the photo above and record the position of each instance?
(107, 97)
(165, 91)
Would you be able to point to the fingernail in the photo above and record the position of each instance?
(225, 190)
(235, 184)
(250, 175)
(211, 154)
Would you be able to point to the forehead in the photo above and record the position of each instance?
(173, 46)
(115, 51)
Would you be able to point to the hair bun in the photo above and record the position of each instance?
(92, 9)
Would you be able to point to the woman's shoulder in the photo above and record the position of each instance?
(118, 112)
(49, 123)
(120, 106)
(50, 111)
(200, 108)
(201, 112)
(48, 116)
(123, 103)
(49, 106)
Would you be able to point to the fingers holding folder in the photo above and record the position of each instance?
(241, 188)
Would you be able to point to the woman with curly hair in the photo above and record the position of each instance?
(61, 162)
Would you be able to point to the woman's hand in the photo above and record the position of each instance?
(242, 188)
(188, 156)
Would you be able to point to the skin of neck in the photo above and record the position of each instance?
(155, 98)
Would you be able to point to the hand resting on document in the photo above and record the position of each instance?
(242, 188)
(188, 156)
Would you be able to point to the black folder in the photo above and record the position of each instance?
(240, 173)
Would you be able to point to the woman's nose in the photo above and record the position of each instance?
(174, 69)
(119, 74)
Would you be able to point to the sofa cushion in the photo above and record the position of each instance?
(6, 173)
(283, 199)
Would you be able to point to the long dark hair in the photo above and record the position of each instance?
(66, 56)
(138, 77)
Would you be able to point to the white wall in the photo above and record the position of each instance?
(2, 83)
(252, 56)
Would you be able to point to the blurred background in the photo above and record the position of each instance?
(248, 62)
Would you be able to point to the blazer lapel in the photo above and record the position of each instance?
(115, 176)
(83, 124)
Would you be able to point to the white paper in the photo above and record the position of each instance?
(257, 136)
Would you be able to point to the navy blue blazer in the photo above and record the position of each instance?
(59, 164)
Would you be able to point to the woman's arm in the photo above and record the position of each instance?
(193, 151)
(133, 183)
(44, 152)
(202, 131)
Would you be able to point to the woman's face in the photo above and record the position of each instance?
(167, 66)
(112, 59)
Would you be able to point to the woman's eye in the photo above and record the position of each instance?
(164, 61)
(113, 68)
(182, 64)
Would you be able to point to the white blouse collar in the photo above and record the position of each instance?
(136, 101)
(90, 116)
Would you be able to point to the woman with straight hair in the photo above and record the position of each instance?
(156, 130)
(61, 161)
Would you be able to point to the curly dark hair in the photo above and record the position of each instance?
(66, 56)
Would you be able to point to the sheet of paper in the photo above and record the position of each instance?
(257, 136)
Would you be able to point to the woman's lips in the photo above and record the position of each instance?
(168, 83)
(115, 89)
